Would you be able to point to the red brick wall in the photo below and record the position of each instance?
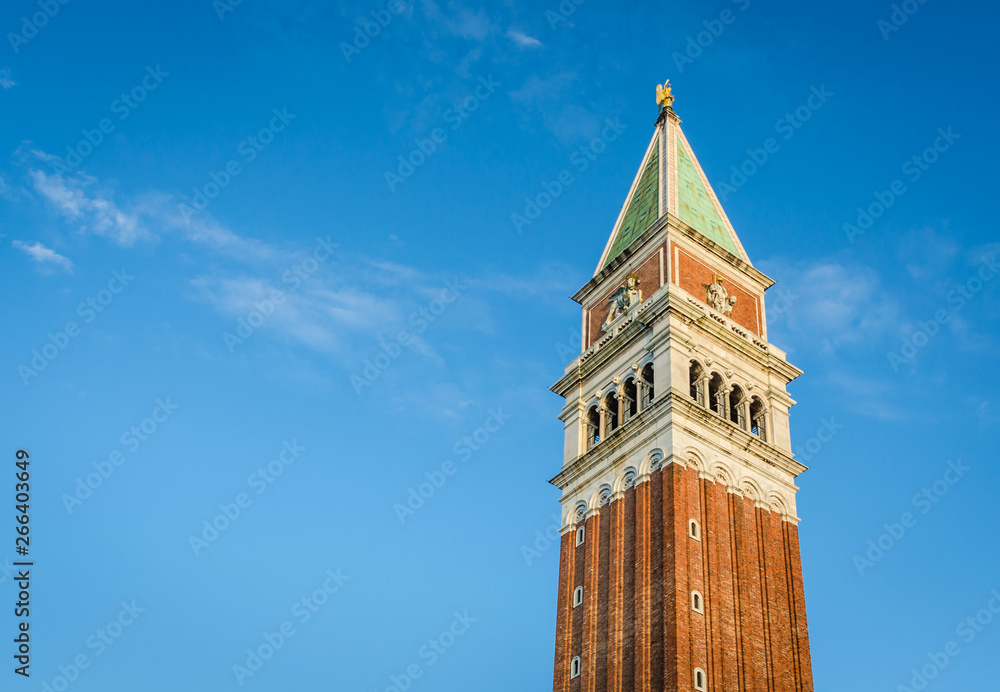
(694, 277)
(564, 636)
(636, 630)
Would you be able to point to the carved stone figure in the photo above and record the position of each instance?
(624, 299)
(719, 298)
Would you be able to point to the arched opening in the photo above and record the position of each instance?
(574, 668)
(694, 529)
(577, 596)
(630, 400)
(697, 378)
(610, 413)
(697, 602)
(758, 424)
(646, 385)
(716, 394)
(699, 679)
(593, 427)
(581, 535)
(737, 407)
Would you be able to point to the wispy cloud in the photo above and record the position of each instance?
(92, 208)
(828, 304)
(93, 211)
(553, 99)
(342, 301)
(48, 260)
(5, 79)
(522, 39)
(462, 22)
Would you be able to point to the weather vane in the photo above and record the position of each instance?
(664, 95)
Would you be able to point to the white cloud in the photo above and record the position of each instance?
(522, 39)
(472, 26)
(336, 303)
(46, 258)
(552, 99)
(5, 80)
(82, 201)
(93, 211)
(828, 304)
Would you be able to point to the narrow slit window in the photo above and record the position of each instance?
(610, 413)
(717, 395)
(574, 667)
(581, 535)
(699, 679)
(757, 418)
(630, 400)
(697, 378)
(694, 530)
(697, 602)
(648, 393)
(737, 407)
(593, 427)
(577, 596)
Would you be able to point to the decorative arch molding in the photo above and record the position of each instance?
(626, 480)
(602, 495)
(752, 490)
(778, 503)
(694, 459)
(652, 462)
(721, 473)
(605, 495)
(605, 490)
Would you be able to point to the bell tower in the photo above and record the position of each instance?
(679, 566)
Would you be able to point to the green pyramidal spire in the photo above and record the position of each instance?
(671, 181)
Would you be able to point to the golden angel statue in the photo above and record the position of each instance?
(664, 95)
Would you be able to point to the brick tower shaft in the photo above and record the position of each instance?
(679, 561)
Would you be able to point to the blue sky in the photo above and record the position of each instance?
(240, 173)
